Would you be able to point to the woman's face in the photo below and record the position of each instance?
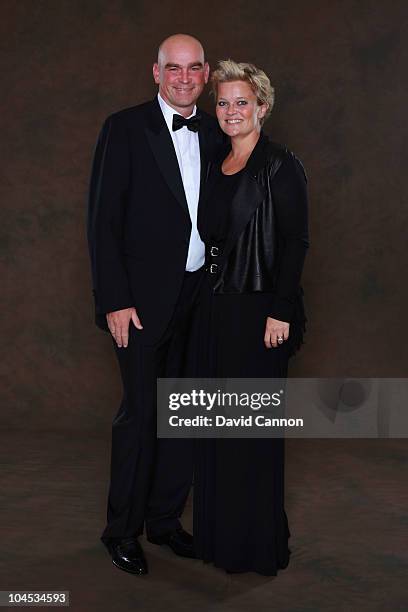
(238, 111)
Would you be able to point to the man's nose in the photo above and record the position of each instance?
(184, 76)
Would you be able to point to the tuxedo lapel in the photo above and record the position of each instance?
(205, 133)
(203, 157)
(162, 148)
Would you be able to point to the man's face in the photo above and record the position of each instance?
(181, 74)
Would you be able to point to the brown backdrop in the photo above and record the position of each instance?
(339, 69)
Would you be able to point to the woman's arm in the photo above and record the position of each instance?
(290, 202)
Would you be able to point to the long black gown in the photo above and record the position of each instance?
(240, 523)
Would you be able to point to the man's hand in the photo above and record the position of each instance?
(275, 330)
(118, 323)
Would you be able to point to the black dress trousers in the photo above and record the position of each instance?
(150, 477)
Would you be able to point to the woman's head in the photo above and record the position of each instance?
(244, 96)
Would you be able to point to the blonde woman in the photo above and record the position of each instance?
(253, 221)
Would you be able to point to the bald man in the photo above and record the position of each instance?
(147, 261)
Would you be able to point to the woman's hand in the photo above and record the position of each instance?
(276, 332)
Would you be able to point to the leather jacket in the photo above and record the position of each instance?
(257, 251)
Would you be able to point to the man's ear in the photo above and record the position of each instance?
(206, 71)
(156, 73)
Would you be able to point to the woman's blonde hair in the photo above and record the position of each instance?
(228, 71)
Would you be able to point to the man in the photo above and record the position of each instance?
(147, 260)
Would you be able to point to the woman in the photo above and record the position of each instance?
(254, 223)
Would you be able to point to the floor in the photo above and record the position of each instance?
(347, 506)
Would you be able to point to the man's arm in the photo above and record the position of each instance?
(106, 211)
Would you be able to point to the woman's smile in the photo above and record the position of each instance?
(238, 108)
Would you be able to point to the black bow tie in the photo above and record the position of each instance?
(192, 124)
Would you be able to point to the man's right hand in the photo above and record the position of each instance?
(118, 323)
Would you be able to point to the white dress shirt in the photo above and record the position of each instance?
(187, 148)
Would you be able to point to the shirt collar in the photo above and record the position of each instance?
(168, 112)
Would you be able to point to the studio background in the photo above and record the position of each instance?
(339, 69)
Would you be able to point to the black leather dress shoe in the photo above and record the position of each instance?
(180, 542)
(127, 554)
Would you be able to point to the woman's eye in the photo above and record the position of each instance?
(242, 102)
(221, 103)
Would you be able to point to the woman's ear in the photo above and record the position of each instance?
(262, 111)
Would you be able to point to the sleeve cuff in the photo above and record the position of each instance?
(282, 309)
(102, 307)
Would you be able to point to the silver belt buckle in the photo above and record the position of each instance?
(214, 251)
(213, 268)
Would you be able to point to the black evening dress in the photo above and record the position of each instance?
(240, 523)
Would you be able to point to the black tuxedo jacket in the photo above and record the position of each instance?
(138, 220)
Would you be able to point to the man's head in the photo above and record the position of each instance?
(181, 72)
